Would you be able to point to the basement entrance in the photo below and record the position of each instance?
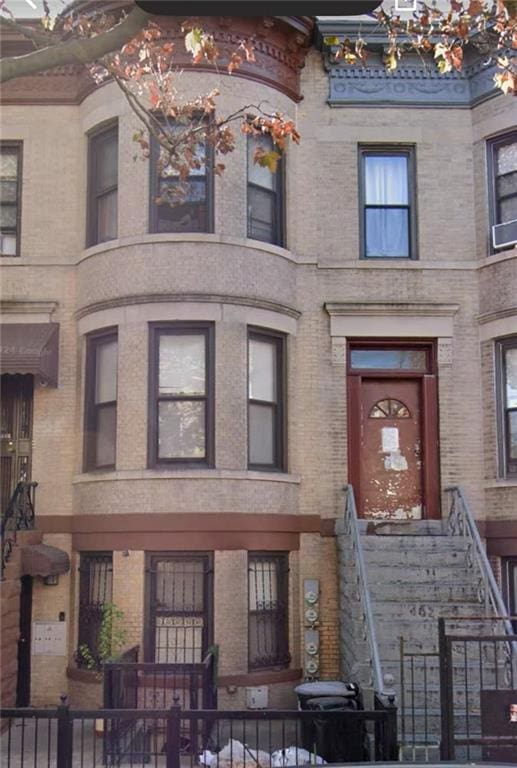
(393, 429)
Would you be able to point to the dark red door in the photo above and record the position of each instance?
(391, 449)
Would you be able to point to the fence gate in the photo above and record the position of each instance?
(478, 682)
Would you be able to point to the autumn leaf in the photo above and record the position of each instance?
(475, 8)
(235, 62)
(193, 40)
(267, 159)
(249, 50)
(331, 41)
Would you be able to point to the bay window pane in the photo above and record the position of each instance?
(261, 214)
(507, 158)
(107, 215)
(386, 180)
(511, 378)
(107, 162)
(387, 232)
(261, 434)
(262, 371)
(181, 429)
(259, 174)
(8, 245)
(8, 190)
(105, 437)
(8, 216)
(512, 437)
(182, 367)
(106, 372)
(508, 209)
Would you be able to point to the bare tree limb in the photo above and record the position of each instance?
(85, 50)
(39, 36)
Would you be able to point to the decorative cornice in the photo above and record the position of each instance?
(390, 309)
(20, 307)
(499, 314)
(207, 298)
(412, 84)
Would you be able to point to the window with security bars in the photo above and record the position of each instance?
(10, 197)
(268, 599)
(179, 609)
(95, 591)
(265, 195)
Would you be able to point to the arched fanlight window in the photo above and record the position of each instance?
(389, 409)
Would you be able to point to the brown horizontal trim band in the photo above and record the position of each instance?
(261, 678)
(190, 541)
(502, 547)
(226, 522)
(204, 298)
(498, 529)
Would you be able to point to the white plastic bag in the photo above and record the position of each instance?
(238, 755)
(293, 756)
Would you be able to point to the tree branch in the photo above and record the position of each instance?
(85, 50)
(39, 36)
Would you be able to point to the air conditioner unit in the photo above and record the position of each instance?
(505, 235)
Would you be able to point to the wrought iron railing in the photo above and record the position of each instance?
(461, 523)
(382, 684)
(19, 516)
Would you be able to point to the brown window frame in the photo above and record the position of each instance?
(93, 340)
(182, 328)
(154, 181)
(18, 146)
(150, 609)
(95, 137)
(386, 150)
(507, 466)
(282, 658)
(278, 194)
(280, 421)
(493, 145)
(86, 561)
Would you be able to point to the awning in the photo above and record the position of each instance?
(30, 348)
(44, 560)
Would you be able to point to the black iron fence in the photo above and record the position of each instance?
(176, 738)
(478, 681)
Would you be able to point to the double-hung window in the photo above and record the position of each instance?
(101, 400)
(265, 196)
(266, 400)
(502, 171)
(102, 186)
(10, 197)
(507, 374)
(178, 205)
(95, 592)
(268, 599)
(181, 394)
(388, 210)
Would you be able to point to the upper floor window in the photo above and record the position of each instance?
(181, 394)
(182, 205)
(268, 603)
(265, 196)
(502, 171)
(102, 186)
(101, 400)
(10, 197)
(507, 374)
(266, 409)
(388, 210)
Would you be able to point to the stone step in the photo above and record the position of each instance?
(406, 610)
(404, 527)
(384, 573)
(420, 543)
(414, 558)
(442, 591)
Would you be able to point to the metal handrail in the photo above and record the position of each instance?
(461, 523)
(352, 528)
(18, 516)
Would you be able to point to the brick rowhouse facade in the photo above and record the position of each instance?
(316, 292)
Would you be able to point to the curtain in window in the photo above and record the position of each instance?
(387, 205)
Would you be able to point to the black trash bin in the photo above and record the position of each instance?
(327, 688)
(336, 740)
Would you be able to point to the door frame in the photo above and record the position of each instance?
(429, 414)
(23, 674)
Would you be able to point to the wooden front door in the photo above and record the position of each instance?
(15, 433)
(391, 449)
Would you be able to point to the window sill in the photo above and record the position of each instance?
(187, 474)
(502, 483)
(187, 237)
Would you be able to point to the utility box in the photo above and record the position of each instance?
(257, 697)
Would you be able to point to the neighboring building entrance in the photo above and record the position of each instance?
(23, 685)
(16, 433)
(393, 445)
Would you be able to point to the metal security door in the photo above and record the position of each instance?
(180, 609)
(391, 449)
(23, 685)
(15, 433)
